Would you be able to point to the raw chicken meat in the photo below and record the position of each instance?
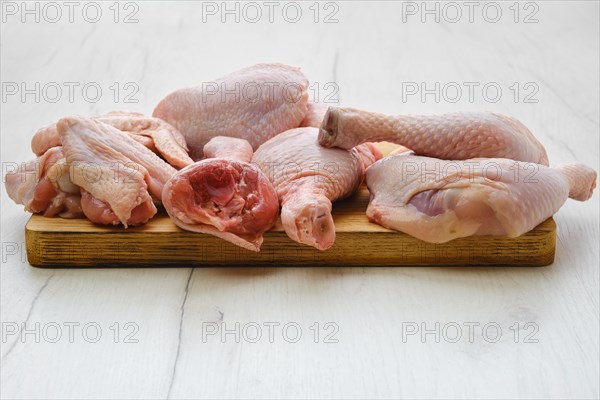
(314, 114)
(314, 118)
(437, 201)
(43, 186)
(44, 139)
(116, 170)
(308, 178)
(99, 211)
(456, 136)
(401, 150)
(154, 133)
(254, 103)
(167, 140)
(229, 148)
(368, 153)
(224, 196)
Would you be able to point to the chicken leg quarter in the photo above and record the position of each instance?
(455, 136)
(437, 201)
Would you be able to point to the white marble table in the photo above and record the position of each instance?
(150, 333)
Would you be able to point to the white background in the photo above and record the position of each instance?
(372, 52)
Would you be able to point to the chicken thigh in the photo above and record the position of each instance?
(307, 178)
(224, 195)
(437, 201)
(254, 103)
(456, 136)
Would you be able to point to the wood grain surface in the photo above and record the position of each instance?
(79, 242)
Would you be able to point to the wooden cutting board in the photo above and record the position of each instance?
(56, 242)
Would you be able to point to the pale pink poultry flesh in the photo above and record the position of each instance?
(314, 114)
(460, 174)
(43, 186)
(224, 196)
(254, 103)
(437, 201)
(307, 178)
(455, 136)
(154, 133)
(314, 118)
(229, 148)
(118, 172)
